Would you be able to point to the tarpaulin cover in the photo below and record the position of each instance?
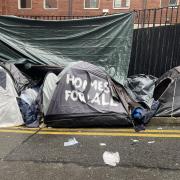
(82, 97)
(103, 41)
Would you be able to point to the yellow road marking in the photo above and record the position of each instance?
(118, 134)
(109, 130)
(17, 131)
(111, 134)
(19, 128)
(104, 130)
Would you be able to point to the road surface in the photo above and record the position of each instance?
(27, 154)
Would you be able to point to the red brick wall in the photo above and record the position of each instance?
(10, 7)
(164, 3)
(37, 9)
(153, 4)
(78, 8)
(0, 7)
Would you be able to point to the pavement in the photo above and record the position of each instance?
(40, 153)
(159, 121)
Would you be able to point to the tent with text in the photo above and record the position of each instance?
(84, 95)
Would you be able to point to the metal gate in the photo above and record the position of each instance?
(156, 41)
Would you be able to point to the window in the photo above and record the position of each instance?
(166, 3)
(91, 4)
(173, 2)
(121, 3)
(50, 4)
(25, 4)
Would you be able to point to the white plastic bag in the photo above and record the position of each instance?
(111, 158)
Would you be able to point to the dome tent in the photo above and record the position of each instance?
(167, 92)
(9, 109)
(84, 95)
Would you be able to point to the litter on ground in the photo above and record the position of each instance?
(111, 158)
(102, 144)
(71, 142)
(134, 140)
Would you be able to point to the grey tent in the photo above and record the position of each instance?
(9, 109)
(167, 92)
(84, 95)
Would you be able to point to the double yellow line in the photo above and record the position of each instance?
(96, 132)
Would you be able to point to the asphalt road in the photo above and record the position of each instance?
(40, 154)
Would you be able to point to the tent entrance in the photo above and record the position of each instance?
(161, 88)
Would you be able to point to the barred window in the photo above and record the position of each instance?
(91, 4)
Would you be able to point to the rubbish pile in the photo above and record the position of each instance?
(84, 95)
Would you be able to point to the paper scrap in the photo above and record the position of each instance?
(134, 140)
(111, 158)
(102, 144)
(71, 142)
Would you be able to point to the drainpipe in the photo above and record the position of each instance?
(70, 7)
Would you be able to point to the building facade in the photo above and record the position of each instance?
(77, 7)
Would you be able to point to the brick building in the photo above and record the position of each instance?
(77, 7)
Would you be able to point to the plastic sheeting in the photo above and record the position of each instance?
(29, 107)
(103, 41)
(141, 88)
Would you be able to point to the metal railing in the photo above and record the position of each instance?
(54, 17)
(157, 17)
(143, 18)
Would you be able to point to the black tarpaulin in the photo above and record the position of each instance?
(103, 41)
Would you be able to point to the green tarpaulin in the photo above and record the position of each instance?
(103, 41)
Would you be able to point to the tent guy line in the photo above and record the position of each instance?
(158, 134)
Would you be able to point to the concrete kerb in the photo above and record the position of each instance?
(160, 121)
